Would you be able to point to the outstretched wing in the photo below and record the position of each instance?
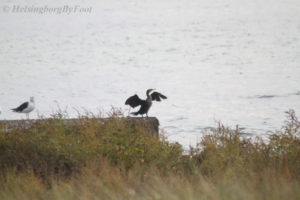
(21, 107)
(156, 96)
(134, 101)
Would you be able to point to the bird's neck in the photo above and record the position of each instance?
(149, 98)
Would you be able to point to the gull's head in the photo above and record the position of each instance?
(32, 99)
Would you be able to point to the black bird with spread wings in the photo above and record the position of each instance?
(135, 101)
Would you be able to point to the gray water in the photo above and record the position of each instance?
(232, 61)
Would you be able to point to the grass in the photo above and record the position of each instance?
(120, 159)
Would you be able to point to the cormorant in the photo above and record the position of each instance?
(135, 101)
(25, 107)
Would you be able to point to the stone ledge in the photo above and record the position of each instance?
(151, 123)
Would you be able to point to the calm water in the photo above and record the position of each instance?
(230, 60)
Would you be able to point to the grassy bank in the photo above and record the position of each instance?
(121, 160)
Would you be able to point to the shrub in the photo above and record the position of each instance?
(122, 159)
(58, 147)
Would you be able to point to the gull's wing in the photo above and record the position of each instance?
(21, 107)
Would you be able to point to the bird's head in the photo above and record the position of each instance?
(148, 91)
(32, 99)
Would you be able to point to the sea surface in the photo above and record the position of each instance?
(233, 61)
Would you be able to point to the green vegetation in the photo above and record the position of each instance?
(120, 159)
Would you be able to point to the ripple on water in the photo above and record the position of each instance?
(245, 131)
(266, 96)
(178, 119)
(297, 93)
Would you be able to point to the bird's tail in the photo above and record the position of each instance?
(134, 113)
(14, 109)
